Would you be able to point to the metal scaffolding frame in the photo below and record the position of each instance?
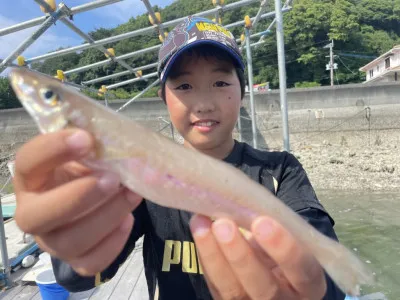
(143, 31)
(115, 75)
(74, 11)
(62, 12)
(86, 37)
(150, 49)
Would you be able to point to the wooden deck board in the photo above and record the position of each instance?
(140, 291)
(104, 291)
(125, 287)
(10, 293)
(37, 297)
(81, 295)
(26, 293)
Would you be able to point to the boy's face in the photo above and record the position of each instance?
(203, 96)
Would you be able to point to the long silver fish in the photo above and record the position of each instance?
(170, 175)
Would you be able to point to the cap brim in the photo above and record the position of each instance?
(237, 59)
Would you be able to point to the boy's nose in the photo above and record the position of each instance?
(204, 106)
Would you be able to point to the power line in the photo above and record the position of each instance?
(292, 49)
(346, 65)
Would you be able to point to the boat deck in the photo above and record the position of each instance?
(128, 283)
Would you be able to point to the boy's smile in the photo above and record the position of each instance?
(205, 126)
(203, 96)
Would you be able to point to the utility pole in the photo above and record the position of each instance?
(331, 63)
(331, 66)
(282, 73)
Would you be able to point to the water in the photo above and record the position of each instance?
(369, 224)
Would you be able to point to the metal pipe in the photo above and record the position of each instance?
(83, 35)
(112, 86)
(264, 16)
(90, 40)
(138, 95)
(106, 100)
(153, 15)
(257, 18)
(142, 31)
(61, 11)
(239, 122)
(143, 51)
(10, 64)
(217, 15)
(37, 21)
(257, 44)
(254, 35)
(4, 252)
(172, 132)
(80, 87)
(250, 71)
(285, 6)
(104, 62)
(146, 67)
(101, 63)
(263, 6)
(282, 73)
(268, 29)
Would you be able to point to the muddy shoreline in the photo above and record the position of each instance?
(340, 161)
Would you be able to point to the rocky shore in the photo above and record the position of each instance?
(364, 169)
(341, 160)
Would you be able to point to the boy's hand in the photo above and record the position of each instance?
(81, 217)
(233, 269)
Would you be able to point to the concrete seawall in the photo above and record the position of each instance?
(312, 109)
(346, 137)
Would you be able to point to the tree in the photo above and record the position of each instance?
(8, 99)
(368, 27)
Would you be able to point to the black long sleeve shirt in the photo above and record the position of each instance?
(169, 253)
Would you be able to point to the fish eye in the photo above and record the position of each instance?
(49, 96)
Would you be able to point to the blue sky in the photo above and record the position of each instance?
(17, 11)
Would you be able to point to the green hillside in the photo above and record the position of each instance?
(362, 29)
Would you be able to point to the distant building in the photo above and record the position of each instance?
(260, 88)
(385, 68)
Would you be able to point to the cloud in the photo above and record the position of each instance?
(49, 41)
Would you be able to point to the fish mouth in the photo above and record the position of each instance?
(20, 86)
(27, 87)
(24, 88)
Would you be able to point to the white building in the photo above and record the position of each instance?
(385, 68)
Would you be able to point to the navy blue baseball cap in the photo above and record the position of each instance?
(192, 32)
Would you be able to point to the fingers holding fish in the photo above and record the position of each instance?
(257, 280)
(104, 253)
(88, 231)
(43, 212)
(38, 158)
(221, 279)
(234, 268)
(299, 268)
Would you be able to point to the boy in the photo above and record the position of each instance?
(90, 225)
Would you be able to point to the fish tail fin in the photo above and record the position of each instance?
(344, 267)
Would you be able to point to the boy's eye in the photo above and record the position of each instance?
(185, 86)
(221, 84)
